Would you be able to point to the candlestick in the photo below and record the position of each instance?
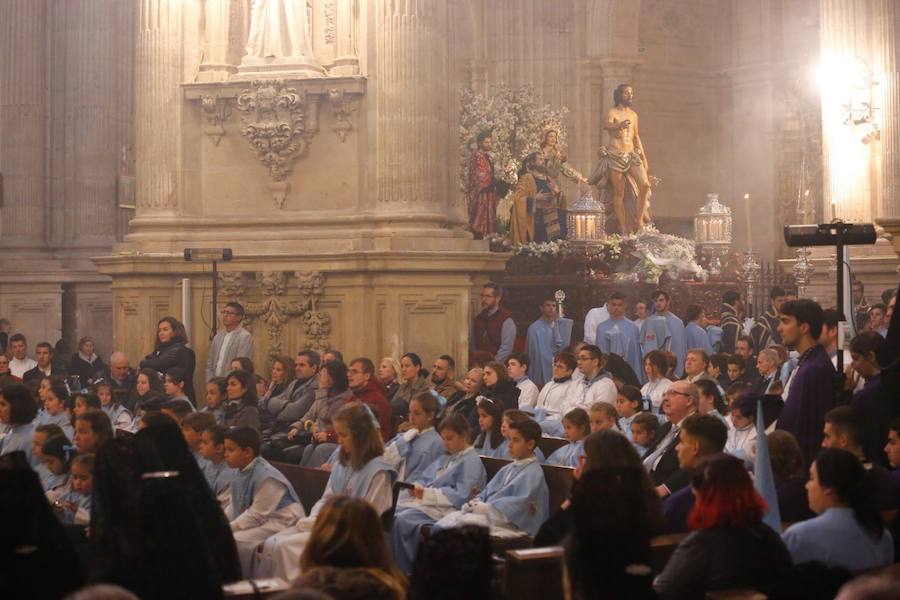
(749, 229)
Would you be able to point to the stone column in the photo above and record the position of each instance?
(223, 39)
(23, 98)
(887, 24)
(412, 172)
(90, 153)
(158, 65)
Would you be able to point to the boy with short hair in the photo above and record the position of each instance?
(736, 369)
(742, 433)
(217, 472)
(192, 427)
(174, 385)
(643, 431)
(517, 367)
(516, 501)
(261, 501)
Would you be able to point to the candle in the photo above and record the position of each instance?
(749, 230)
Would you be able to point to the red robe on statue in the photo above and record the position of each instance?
(482, 201)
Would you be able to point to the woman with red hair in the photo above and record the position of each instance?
(730, 546)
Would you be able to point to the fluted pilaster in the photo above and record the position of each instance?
(413, 124)
(23, 122)
(158, 64)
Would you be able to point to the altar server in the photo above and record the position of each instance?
(447, 484)
(546, 337)
(618, 335)
(412, 451)
(577, 426)
(358, 469)
(664, 331)
(261, 501)
(515, 502)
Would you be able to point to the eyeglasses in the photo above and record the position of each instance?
(230, 312)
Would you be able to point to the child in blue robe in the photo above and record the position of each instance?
(515, 502)
(192, 427)
(490, 421)
(215, 399)
(644, 427)
(412, 451)
(628, 405)
(448, 483)
(57, 454)
(74, 505)
(508, 417)
(622, 337)
(360, 471)
(56, 396)
(577, 426)
(217, 472)
(261, 502)
(42, 433)
(119, 416)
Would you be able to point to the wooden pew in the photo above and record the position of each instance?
(309, 483)
(534, 573)
(559, 482)
(662, 547)
(492, 465)
(549, 445)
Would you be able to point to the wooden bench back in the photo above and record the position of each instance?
(534, 573)
(549, 445)
(309, 483)
(559, 483)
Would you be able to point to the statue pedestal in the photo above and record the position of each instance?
(295, 67)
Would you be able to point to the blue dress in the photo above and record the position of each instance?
(837, 539)
(450, 482)
(622, 337)
(411, 458)
(542, 342)
(19, 437)
(568, 455)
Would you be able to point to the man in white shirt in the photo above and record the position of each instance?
(20, 362)
(232, 342)
(597, 385)
(517, 368)
(592, 320)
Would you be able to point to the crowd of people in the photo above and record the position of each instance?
(124, 471)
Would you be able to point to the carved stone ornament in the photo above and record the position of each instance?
(231, 284)
(215, 112)
(275, 310)
(342, 107)
(276, 126)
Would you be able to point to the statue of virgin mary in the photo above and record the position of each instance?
(279, 41)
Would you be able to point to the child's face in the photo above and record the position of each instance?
(85, 438)
(504, 427)
(105, 395)
(738, 420)
(515, 369)
(55, 465)
(42, 390)
(143, 384)
(640, 435)
(713, 371)
(418, 418)
(485, 421)
(209, 449)
(52, 404)
(518, 447)
(572, 431)
(171, 388)
(344, 437)
(192, 437)
(454, 442)
(213, 396)
(599, 421)
(624, 406)
(734, 372)
(237, 457)
(80, 406)
(37, 444)
(82, 479)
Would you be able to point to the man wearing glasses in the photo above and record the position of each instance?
(661, 461)
(232, 341)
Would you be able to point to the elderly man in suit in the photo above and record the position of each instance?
(661, 460)
(231, 342)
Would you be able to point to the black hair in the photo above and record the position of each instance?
(529, 429)
(616, 295)
(337, 371)
(483, 135)
(708, 387)
(22, 408)
(312, 356)
(236, 306)
(338, 355)
(633, 394)
(805, 311)
(179, 407)
(61, 392)
(658, 360)
(520, 357)
(568, 359)
(89, 399)
(246, 364)
(594, 351)
(177, 375)
(619, 92)
(46, 345)
(244, 437)
(248, 382)
(449, 360)
(776, 292)
(58, 446)
(367, 365)
(413, 358)
(849, 421)
(456, 423)
(734, 359)
(495, 410)
(692, 313)
(657, 293)
(731, 297)
(495, 287)
(198, 421)
(844, 473)
(579, 418)
(17, 337)
(867, 341)
(831, 317)
(217, 432)
(711, 432)
(719, 360)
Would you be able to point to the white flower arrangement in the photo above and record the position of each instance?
(517, 123)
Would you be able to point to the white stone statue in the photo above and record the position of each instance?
(279, 41)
